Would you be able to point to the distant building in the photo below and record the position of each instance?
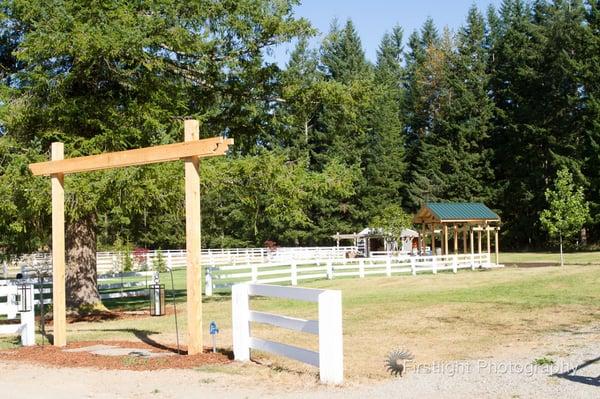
(370, 240)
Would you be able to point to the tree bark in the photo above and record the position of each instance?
(562, 258)
(81, 274)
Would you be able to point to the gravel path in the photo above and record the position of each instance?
(508, 374)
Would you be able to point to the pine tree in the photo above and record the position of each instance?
(384, 156)
(342, 54)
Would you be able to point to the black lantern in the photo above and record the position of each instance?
(157, 299)
(25, 297)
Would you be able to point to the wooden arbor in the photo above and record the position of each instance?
(456, 219)
(190, 152)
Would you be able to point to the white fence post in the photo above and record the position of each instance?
(329, 270)
(240, 322)
(434, 265)
(413, 266)
(294, 273)
(28, 322)
(208, 286)
(331, 346)
(454, 263)
(361, 267)
(388, 266)
(254, 272)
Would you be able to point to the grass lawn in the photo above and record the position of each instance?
(571, 258)
(437, 317)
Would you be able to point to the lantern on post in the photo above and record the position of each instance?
(25, 292)
(157, 299)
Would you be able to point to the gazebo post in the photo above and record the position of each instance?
(479, 238)
(496, 246)
(455, 239)
(432, 239)
(445, 239)
(472, 248)
(464, 239)
(489, 243)
(58, 250)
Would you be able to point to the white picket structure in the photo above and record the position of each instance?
(293, 271)
(112, 262)
(9, 306)
(330, 357)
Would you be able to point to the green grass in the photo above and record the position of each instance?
(571, 258)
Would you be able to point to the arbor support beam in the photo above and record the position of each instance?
(214, 146)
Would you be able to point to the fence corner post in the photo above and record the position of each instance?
(361, 267)
(28, 323)
(294, 273)
(454, 264)
(331, 347)
(329, 269)
(388, 266)
(413, 266)
(208, 286)
(240, 323)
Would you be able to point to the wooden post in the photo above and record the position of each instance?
(192, 231)
(472, 249)
(489, 243)
(497, 247)
(455, 240)
(479, 240)
(465, 239)
(445, 239)
(433, 239)
(421, 238)
(58, 251)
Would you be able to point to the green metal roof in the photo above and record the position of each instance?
(461, 211)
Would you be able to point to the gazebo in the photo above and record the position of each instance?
(446, 221)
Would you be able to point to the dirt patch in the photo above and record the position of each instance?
(53, 356)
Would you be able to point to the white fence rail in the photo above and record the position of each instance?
(114, 262)
(9, 307)
(329, 358)
(297, 270)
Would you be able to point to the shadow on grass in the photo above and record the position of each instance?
(141, 303)
(571, 375)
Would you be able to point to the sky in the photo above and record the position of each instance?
(372, 18)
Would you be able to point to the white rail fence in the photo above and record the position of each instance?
(114, 286)
(113, 262)
(291, 272)
(9, 307)
(330, 357)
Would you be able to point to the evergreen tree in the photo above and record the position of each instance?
(384, 156)
(342, 55)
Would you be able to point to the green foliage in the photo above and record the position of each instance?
(393, 219)
(567, 209)
(328, 143)
(159, 262)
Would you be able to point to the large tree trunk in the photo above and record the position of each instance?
(81, 274)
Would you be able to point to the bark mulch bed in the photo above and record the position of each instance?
(56, 357)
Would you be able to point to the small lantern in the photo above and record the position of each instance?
(157, 299)
(25, 297)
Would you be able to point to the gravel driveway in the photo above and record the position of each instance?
(510, 373)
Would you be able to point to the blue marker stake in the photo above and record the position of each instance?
(213, 333)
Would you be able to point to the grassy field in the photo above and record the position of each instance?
(571, 258)
(437, 317)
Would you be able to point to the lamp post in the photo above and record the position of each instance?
(157, 299)
(25, 297)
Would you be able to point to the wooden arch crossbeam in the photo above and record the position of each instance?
(190, 151)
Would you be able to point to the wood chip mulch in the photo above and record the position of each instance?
(56, 357)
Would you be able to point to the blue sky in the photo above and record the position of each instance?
(373, 18)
